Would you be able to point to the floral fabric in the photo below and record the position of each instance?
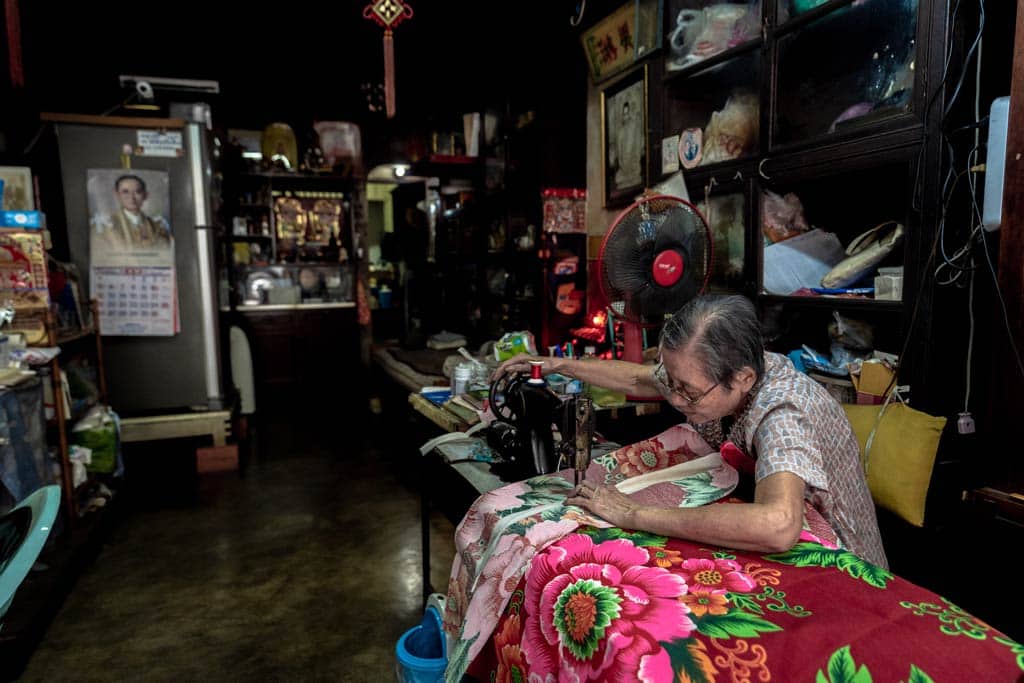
(608, 605)
(505, 529)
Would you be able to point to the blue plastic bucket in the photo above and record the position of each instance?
(421, 651)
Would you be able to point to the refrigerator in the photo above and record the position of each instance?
(150, 375)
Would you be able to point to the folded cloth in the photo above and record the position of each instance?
(445, 340)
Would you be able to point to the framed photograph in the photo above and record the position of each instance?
(648, 27)
(18, 194)
(624, 137)
(610, 44)
(128, 210)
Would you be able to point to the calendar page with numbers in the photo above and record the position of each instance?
(139, 301)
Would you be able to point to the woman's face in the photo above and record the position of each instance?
(698, 396)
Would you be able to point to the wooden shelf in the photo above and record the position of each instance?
(672, 77)
(250, 238)
(724, 173)
(300, 178)
(833, 302)
(74, 336)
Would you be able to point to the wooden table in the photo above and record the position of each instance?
(447, 421)
(215, 423)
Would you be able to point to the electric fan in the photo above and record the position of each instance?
(656, 256)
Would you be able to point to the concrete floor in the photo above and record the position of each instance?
(307, 567)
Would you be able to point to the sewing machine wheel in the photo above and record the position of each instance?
(498, 397)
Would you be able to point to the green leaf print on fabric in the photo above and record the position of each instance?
(639, 538)
(543, 491)
(814, 555)
(842, 669)
(690, 661)
(457, 658)
(776, 602)
(918, 676)
(699, 490)
(736, 623)
(955, 621)
(744, 601)
(1015, 647)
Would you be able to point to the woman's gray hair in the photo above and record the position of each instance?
(723, 333)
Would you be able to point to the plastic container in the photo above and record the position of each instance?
(384, 297)
(420, 652)
(461, 376)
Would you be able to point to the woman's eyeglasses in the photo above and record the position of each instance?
(662, 376)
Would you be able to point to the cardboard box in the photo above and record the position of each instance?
(871, 384)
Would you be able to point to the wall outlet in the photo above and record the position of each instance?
(965, 424)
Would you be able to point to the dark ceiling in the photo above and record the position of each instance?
(302, 61)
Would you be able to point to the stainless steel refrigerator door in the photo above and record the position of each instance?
(154, 374)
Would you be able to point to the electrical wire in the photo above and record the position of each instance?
(128, 100)
(1002, 304)
(970, 342)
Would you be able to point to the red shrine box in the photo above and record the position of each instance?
(217, 459)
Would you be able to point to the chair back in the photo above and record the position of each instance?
(23, 533)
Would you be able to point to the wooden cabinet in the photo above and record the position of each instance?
(834, 103)
(304, 350)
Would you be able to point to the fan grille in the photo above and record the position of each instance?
(643, 231)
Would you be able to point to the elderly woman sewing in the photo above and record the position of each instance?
(754, 406)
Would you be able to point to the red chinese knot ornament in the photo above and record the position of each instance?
(389, 14)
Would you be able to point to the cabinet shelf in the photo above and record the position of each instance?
(724, 173)
(300, 177)
(251, 238)
(809, 16)
(832, 302)
(852, 148)
(67, 338)
(674, 77)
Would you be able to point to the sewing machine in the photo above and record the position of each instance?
(527, 412)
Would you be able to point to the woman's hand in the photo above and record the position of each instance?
(521, 363)
(607, 502)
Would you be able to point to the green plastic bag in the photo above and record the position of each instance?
(97, 431)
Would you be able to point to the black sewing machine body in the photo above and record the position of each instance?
(524, 436)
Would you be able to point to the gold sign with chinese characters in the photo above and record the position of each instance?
(611, 43)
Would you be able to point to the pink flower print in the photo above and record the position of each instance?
(717, 574)
(643, 456)
(598, 612)
(500, 576)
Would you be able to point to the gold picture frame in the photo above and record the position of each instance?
(624, 139)
(19, 194)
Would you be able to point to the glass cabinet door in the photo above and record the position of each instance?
(726, 217)
(716, 111)
(699, 29)
(852, 67)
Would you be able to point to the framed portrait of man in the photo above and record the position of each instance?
(128, 218)
(624, 137)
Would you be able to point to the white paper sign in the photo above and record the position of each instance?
(139, 302)
(669, 154)
(155, 143)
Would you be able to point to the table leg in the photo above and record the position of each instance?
(425, 540)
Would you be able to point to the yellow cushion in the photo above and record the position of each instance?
(899, 465)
